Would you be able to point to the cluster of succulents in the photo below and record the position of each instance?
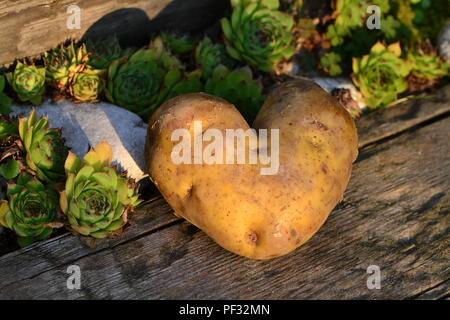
(141, 80)
(385, 73)
(70, 72)
(49, 187)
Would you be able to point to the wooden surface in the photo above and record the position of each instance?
(395, 214)
(26, 24)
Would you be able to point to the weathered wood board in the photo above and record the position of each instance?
(26, 24)
(395, 215)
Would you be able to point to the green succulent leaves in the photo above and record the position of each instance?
(28, 81)
(143, 81)
(87, 85)
(381, 74)
(63, 63)
(178, 44)
(5, 101)
(237, 87)
(258, 33)
(331, 63)
(46, 152)
(133, 83)
(208, 56)
(97, 200)
(31, 210)
(427, 66)
(103, 52)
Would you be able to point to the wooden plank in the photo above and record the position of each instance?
(384, 123)
(26, 24)
(154, 214)
(395, 215)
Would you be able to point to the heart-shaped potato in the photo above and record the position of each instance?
(251, 214)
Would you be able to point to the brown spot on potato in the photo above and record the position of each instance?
(189, 191)
(293, 232)
(324, 169)
(252, 237)
(319, 125)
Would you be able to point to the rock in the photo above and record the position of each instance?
(85, 125)
(444, 42)
(332, 83)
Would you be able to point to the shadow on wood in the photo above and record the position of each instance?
(31, 28)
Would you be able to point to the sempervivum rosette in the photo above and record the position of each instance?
(97, 199)
(380, 75)
(86, 86)
(208, 56)
(258, 33)
(143, 81)
(28, 82)
(104, 51)
(45, 148)
(31, 210)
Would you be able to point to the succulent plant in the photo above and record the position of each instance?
(237, 87)
(143, 81)
(5, 101)
(258, 33)
(97, 199)
(63, 63)
(31, 210)
(380, 75)
(178, 44)
(104, 51)
(8, 127)
(331, 63)
(45, 148)
(351, 15)
(28, 82)
(208, 56)
(427, 65)
(86, 86)
(11, 155)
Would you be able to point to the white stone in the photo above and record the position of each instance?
(85, 125)
(444, 42)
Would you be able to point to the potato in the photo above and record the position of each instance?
(248, 213)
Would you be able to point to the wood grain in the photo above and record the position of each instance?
(395, 215)
(382, 124)
(26, 24)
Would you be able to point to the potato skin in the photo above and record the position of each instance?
(253, 215)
